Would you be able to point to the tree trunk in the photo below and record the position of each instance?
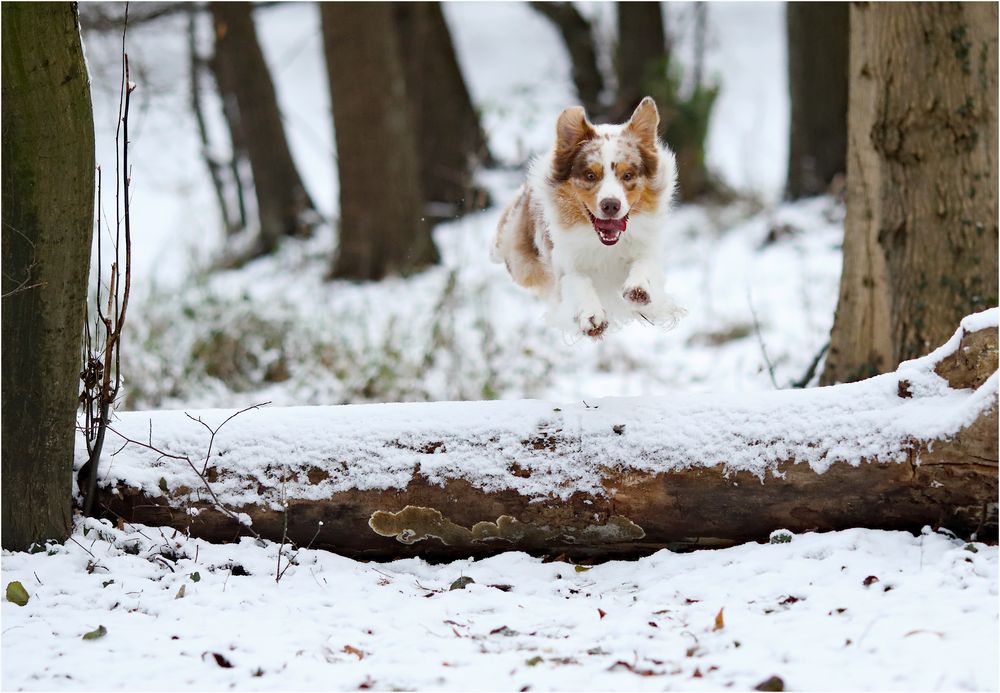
(604, 479)
(642, 53)
(251, 109)
(48, 204)
(643, 69)
(450, 141)
(579, 40)
(382, 225)
(920, 237)
(817, 84)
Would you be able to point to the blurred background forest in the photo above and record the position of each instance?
(300, 249)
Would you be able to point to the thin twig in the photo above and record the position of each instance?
(185, 458)
(760, 341)
(811, 371)
(215, 431)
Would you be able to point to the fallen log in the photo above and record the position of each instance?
(615, 477)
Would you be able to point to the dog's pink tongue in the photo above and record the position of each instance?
(611, 224)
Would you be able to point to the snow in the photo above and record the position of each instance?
(925, 620)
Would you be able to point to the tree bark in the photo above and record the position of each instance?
(579, 40)
(642, 53)
(817, 83)
(382, 225)
(920, 240)
(251, 109)
(644, 69)
(48, 204)
(450, 141)
(950, 481)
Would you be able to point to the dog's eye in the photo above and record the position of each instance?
(591, 176)
(628, 176)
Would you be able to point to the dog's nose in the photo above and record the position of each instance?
(610, 206)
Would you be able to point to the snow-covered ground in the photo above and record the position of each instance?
(851, 610)
(848, 610)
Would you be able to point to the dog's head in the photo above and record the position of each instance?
(602, 174)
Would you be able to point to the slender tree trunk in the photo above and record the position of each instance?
(920, 242)
(643, 70)
(450, 141)
(382, 225)
(48, 204)
(642, 53)
(579, 39)
(817, 82)
(251, 108)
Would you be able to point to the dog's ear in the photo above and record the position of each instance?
(572, 130)
(645, 122)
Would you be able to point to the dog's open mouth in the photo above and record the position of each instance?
(609, 230)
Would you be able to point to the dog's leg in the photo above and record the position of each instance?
(643, 290)
(644, 283)
(581, 302)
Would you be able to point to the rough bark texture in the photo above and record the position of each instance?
(251, 109)
(382, 225)
(48, 202)
(450, 141)
(951, 483)
(579, 40)
(817, 82)
(920, 243)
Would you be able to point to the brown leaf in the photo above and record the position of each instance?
(222, 661)
(601, 613)
(772, 684)
(354, 651)
(719, 623)
(870, 580)
(640, 672)
(503, 630)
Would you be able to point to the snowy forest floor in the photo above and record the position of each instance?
(849, 610)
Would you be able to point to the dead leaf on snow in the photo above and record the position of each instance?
(503, 630)
(349, 649)
(772, 684)
(719, 622)
(628, 667)
(222, 661)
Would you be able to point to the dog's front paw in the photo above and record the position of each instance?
(593, 325)
(637, 295)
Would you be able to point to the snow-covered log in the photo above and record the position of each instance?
(599, 478)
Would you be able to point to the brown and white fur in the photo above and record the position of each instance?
(585, 231)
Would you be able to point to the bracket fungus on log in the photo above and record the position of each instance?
(616, 477)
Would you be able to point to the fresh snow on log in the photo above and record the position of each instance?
(566, 446)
